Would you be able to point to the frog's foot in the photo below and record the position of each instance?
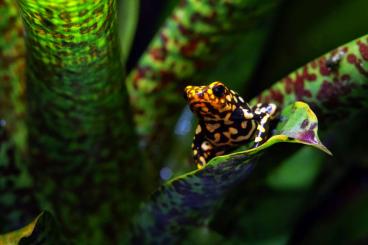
(202, 152)
(262, 130)
(265, 113)
(261, 109)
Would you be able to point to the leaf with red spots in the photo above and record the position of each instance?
(189, 200)
(332, 83)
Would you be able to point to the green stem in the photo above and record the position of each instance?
(81, 138)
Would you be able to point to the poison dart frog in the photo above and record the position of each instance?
(225, 121)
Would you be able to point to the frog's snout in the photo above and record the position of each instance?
(190, 93)
(187, 91)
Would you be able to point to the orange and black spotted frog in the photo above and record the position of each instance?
(225, 121)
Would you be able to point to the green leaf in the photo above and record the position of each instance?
(300, 127)
(189, 200)
(335, 84)
(311, 37)
(128, 20)
(42, 230)
(15, 236)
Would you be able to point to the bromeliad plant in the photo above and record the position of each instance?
(68, 145)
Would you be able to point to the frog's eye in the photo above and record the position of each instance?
(219, 91)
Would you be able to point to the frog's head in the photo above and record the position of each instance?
(210, 101)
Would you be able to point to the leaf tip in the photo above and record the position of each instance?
(323, 148)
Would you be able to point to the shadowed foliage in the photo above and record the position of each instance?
(101, 152)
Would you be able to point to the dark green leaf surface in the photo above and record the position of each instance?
(340, 219)
(300, 36)
(189, 200)
(16, 208)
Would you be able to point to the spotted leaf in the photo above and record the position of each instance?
(298, 124)
(189, 200)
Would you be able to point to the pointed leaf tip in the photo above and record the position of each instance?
(300, 125)
(14, 237)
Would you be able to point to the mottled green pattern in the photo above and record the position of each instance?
(12, 58)
(334, 84)
(80, 138)
(17, 200)
(191, 41)
(17, 203)
(189, 200)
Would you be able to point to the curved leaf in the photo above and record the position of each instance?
(42, 230)
(15, 236)
(188, 200)
(334, 84)
(128, 19)
(310, 36)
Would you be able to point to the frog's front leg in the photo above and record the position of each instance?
(202, 149)
(263, 114)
